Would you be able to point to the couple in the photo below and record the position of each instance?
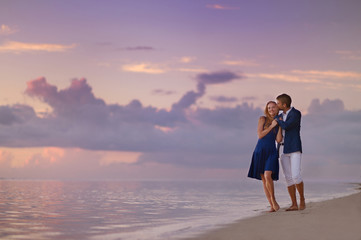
(285, 129)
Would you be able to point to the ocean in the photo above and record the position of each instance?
(136, 210)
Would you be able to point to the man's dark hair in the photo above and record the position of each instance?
(284, 98)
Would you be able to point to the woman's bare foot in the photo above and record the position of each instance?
(271, 210)
(275, 206)
(292, 208)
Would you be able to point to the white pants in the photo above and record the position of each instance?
(291, 165)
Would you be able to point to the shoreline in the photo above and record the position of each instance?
(334, 219)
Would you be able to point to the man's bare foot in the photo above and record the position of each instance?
(292, 208)
(302, 204)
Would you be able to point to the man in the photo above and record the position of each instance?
(291, 150)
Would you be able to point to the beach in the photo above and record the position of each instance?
(333, 219)
(158, 210)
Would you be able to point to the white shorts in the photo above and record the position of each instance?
(291, 165)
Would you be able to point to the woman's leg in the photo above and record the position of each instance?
(271, 190)
(268, 195)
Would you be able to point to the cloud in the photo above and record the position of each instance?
(218, 77)
(284, 77)
(143, 68)
(187, 59)
(349, 55)
(136, 136)
(223, 99)
(16, 114)
(228, 117)
(328, 74)
(326, 78)
(53, 162)
(203, 80)
(5, 30)
(221, 7)
(7, 117)
(79, 119)
(249, 98)
(189, 98)
(140, 48)
(19, 47)
(79, 94)
(162, 92)
(82, 164)
(331, 134)
(241, 63)
(326, 107)
(195, 70)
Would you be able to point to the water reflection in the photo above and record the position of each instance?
(79, 210)
(127, 210)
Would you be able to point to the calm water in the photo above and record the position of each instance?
(132, 210)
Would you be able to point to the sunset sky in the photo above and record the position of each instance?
(174, 88)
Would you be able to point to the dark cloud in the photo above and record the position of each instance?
(218, 77)
(7, 117)
(79, 119)
(326, 107)
(234, 118)
(189, 98)
(162, 92)
(333, 131)
(249, 98)
(204, 79)
(223, 137)
(140, 48)
(15, 114)
(223, 99)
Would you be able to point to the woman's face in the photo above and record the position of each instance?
(272, 109)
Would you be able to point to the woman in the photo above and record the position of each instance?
(264, 164)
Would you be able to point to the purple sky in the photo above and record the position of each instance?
(174, 89)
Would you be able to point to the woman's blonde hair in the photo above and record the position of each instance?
(269, 118)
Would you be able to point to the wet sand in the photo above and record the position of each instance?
(334, 219)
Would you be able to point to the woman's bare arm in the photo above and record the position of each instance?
(263, 132)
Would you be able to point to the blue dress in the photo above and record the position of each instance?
(265, 156)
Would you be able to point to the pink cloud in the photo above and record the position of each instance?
(20, 47)
(7, 30)
(79, 93)
(183, 137)
(221, 7)
(41, 89)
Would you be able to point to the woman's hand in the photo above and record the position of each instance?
(274, 123)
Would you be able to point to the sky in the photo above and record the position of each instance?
(173, 89)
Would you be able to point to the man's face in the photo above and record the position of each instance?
(280, 105)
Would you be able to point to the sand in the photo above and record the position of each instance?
(336, 219)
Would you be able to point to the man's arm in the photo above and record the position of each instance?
(292, 121)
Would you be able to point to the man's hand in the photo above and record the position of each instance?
(279, 118)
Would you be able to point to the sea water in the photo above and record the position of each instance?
(136, 210)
